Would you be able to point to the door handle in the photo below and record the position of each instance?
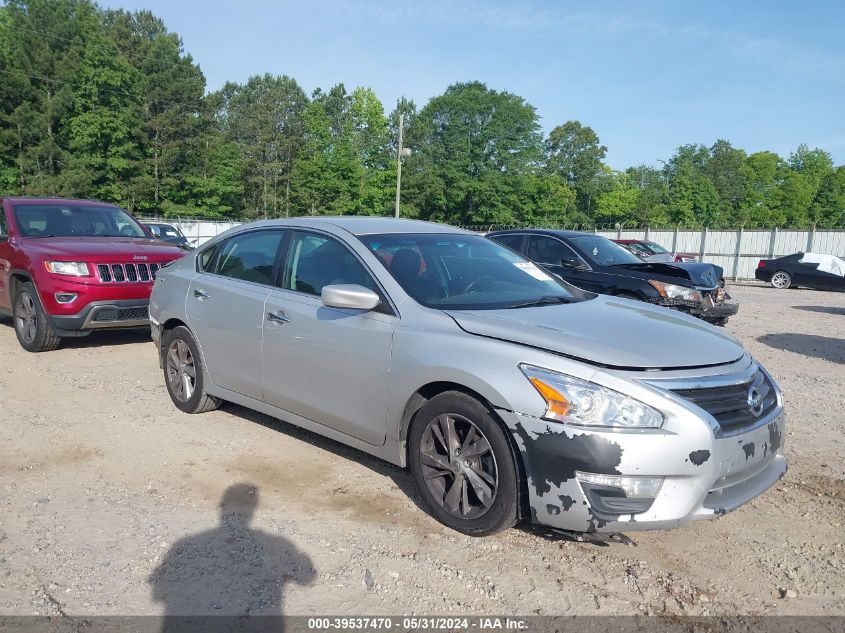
(200, 294)
(277, 317)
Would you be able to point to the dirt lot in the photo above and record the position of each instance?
(110, 501)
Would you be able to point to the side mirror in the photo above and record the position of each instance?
(349, 296)
(574, 264)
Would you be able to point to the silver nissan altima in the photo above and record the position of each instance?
(508, 393)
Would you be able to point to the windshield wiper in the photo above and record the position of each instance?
(40, 236)
(542, 301)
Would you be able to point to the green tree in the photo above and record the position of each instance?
(264, 117)
(828, 208)
(171, 88)
(471, 145)
(575, 153)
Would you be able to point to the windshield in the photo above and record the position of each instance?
(465, 272)
(74, 220)
(169, 231)
(656, 248)
(600, 251)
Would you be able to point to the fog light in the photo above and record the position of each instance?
(632, 486)
(611, 496)
(65, 297)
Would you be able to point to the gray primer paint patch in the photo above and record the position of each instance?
(554, 457)
(699, 457)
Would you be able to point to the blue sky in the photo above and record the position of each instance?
(647, 76)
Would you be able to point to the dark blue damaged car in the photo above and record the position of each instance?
(509, 393)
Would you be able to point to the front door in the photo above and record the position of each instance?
(5, 261)
(225, 307)
(329, 365)
(560, 259)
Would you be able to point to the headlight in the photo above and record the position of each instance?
(577, 401)
(77, 269)
(674, 291)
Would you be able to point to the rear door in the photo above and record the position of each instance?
(5, 260)
(329, 365)
(225, 307)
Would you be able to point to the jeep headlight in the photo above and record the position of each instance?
(575, 401)
(674, 291)
(76, 269)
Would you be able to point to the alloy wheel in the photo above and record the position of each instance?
(26, 317)
(780, 280)
(459, 466)
(181, 370)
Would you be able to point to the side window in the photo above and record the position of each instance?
(205, 259)
(548, 250)
(511, 241)
(248, 256)
(315, 260)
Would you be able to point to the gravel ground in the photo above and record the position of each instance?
(113, 502)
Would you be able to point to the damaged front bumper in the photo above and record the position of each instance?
(610, 481)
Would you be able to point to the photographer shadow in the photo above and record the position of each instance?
(217, 579)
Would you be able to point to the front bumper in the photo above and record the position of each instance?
(98, 315)
(704, 476)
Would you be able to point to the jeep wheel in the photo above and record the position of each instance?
(35, 333)
(183, 373)
(463, 466)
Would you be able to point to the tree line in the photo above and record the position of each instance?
(107, 104)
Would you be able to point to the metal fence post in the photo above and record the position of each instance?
(647, 228)
(738, 252)
(811, 238)
(675, 241)
(703, 245)
(773, 238)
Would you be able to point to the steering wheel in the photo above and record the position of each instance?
(486, 280)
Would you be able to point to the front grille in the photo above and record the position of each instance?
(123, 273)
(108, 314)
(730, 405)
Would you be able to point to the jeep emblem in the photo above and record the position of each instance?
(140, 258)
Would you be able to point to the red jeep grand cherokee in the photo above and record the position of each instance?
(68, 267)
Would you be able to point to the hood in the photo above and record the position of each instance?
(608, 331)
(94, 249)
(704, 275)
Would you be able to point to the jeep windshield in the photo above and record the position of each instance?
(466, 272)
(74, 220)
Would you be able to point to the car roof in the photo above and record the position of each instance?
(364, 225)
(54, 200)
(553, 232)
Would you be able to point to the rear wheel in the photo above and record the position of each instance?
(463, 466)
(781, 280)
(183, 373)
(32, 326)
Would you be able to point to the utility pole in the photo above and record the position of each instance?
(401, 153)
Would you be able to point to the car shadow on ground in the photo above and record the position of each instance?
(824, 347)
(232, 570)
(399, 476)
(402, 478)
(97, 338)
(822, 309)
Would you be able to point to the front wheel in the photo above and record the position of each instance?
(183, 372)
(781, 280)
(463, 466)
(32, 326)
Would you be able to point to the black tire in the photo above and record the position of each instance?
(781, 280)
(720, 322)
(487, 518)
(32, 325)
(180, 354)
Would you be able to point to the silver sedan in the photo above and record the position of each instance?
(508, 393)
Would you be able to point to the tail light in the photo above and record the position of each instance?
(762, 264)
